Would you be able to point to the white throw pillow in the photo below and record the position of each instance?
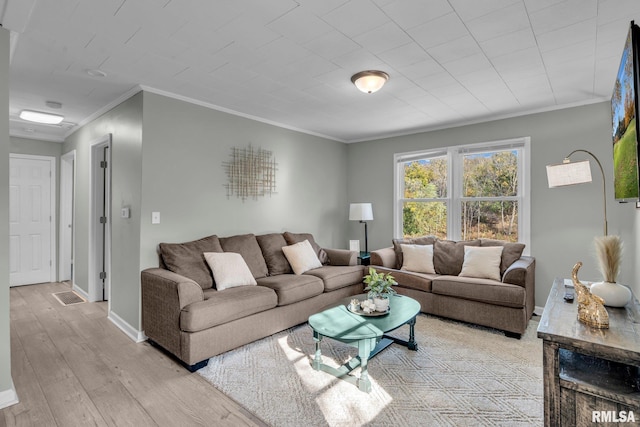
(302, 257)
(482, 262)
(229, 270)
(418, 258)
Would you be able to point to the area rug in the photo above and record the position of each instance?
(461, 375)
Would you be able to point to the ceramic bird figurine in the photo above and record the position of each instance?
(591, 309)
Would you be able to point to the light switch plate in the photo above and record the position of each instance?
(155, 217)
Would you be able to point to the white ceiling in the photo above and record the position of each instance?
(289, 62)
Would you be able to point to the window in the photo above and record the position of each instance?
(464, 192)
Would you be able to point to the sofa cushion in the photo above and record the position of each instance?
(247, 246)
(424, 240)
(229, 270)
(187, 259)
(510, 254)
(483, 290)
(336, 277)
(418, 258)
(224, 306)
(410, 279)
(302, 257)
(271, 246)
(293, 238)
(448, 255)
(483, 263)
(292, 288)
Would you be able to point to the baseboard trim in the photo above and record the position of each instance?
(8, 397)
(538, 310)
(80, 291)
(136, 335)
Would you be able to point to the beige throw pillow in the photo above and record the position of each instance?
(229, 270)
(418, 258)
(302, 257)
(482, 263)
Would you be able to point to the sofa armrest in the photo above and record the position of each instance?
(164, 295)
(517, 272)
(342, 257)
(523, 273)
(385, 257)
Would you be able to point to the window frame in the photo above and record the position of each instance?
(455, 168)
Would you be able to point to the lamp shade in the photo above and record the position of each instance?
(360, 212)
(568, 173)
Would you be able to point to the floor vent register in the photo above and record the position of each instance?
(68, 298)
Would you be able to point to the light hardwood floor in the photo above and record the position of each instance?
(72, 367)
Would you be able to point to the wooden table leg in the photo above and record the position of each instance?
(551, 379)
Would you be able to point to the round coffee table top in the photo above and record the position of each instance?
(339, 323)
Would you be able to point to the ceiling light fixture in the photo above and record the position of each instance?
(41, 117)
(370, 81)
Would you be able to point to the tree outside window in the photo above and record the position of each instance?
(490, 190)
(464, 192)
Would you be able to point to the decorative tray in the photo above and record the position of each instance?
(359, 312)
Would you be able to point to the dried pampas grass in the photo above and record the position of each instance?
(609, 255)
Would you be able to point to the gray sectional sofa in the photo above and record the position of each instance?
(505, 304)
(184, 313)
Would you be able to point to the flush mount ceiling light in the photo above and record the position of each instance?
(41, 117)
(370, 81)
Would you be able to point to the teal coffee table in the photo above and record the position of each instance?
(367, 334)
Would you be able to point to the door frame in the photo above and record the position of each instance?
(67, 255)
(52, 222)
(95, 204)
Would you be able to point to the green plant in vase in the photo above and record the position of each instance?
(379, 287)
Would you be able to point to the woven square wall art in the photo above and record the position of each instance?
(251, 173)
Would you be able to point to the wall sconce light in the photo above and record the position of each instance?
(370, 81)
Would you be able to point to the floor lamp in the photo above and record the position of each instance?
(362, 212)
(568, 173)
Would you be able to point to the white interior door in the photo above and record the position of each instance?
(30, 220)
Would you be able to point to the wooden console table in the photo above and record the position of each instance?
(587, 369)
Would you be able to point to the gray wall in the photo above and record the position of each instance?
(124, 122)
(564, 221)
(5, 341)
(184, 148)
(36, 148)
(168, 156)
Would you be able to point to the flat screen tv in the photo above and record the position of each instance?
(624, 107)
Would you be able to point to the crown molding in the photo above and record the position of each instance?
(235, 113)
(485, 119)
(119, 100)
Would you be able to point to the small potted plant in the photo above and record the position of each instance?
(379, 286)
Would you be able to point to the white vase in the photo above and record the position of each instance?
(613, 294)
(382, 304)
